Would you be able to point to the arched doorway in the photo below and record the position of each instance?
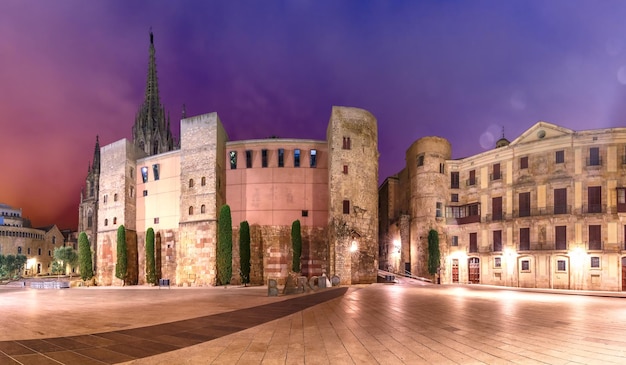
(474, 270)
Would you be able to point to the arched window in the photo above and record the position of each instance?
(191, 183)
(190, 210)
(89, 219)
(106, 222)
(114, 220)
(203, 181)
(19, 250)
(202, 209)
(115, 197)
(54, 240)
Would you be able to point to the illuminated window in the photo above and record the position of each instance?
(438, 210)
(144, 174)
(313, 160)
(296, 158)
(233, 160)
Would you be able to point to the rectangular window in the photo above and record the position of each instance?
(560, 201)
(455, 240)
(144, 174)
(524, 239)
(595, 237)
(560, 237)
(524, 204)
(442, 168)
(156, 220)
(313, 160)
(560, 156)
(281, 157)
(496, 208)
(523, 162)
(248, 159)
(305, 213)
(145, 193)
(525, 265)
(473, 242)
(155, 171)
(346, 143)
(496, 172)
(454, 198)
(497, 241)
(454, 180)
(594, 199)
(346, 207)
(497, 262)
(296, 158)
(594, 157)
(420, 160)
(233, 160)
(561, 265)
(345, 169)
(263, 158)
(439, 210)
(472, 178)
(595, 262)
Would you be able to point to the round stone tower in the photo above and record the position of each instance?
(429, 192)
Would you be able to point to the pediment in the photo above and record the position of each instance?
(541, 131)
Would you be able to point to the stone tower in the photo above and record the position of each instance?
(352, 137)
(429, 189)
(203, 192)
(151, 132)
(88, 207)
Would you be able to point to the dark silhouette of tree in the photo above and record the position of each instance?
(225, 246)
(244, 252)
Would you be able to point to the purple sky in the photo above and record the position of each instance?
(462, 70)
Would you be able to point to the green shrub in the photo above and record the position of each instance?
(150, 265)
(296, 243)
(224, 246)
(433, 251)
(122, 261)
(84, 257)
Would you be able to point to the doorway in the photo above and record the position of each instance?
(455, 270)
(474, 270)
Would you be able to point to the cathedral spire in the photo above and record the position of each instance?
(150, 132)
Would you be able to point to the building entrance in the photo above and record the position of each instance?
(455, 270)
(474, 270)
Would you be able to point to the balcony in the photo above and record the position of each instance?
(495, 177)
(463, 214)
(470, 182)
(594, 208)
(542, 246)
(595, 246)
(593, 161)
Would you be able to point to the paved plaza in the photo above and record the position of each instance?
(404, 323)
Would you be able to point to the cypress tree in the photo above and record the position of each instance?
(244, 251)
(296, 243)
(150, 265)
(121, 265)
(84, 257)
(224, 246)
(433, 251)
